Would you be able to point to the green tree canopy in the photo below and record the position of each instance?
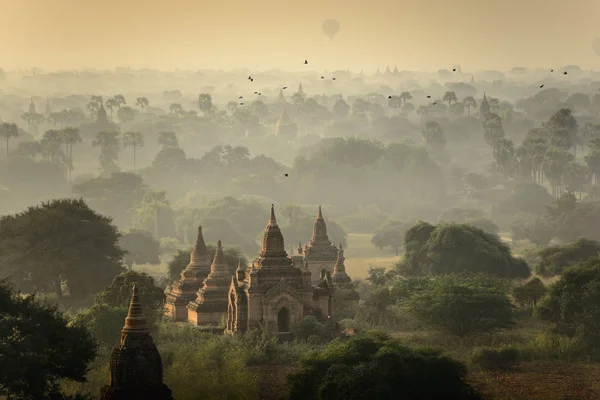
(140, 247)
(106, 317)
(391, 234)
(33, 361)
(463, 304)
(555, 259)
(452, 248)
(61, 241)
(377, 366)
(573, 303)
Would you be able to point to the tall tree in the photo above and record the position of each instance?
(142, 103)
(133, 140)
(205, 103)
(469, 103)
(8, 131)
(60, 242)
(70, 136)
(450, 97)
(109, 151)
(167, 140)
(434, 135)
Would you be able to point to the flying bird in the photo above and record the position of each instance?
(551, 70)
(250, 77)
(389, 97)
(285, 87)
(241, 104)
(541, 86)
(285, 174)
(453, 69)
(259, 93)
(434, 103)
(252, 80)
(428, 97)
(255, 92)
(333, 79)
(322, 77)
(305, 61)
(241, 97)
(565, 73)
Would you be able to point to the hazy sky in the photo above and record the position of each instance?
(263, 34)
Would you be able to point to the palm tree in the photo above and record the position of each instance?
(70, 136)
(8, 131)
(133, 140)
(94, 105)
(142, 103)
(111, 104)
(51, 144)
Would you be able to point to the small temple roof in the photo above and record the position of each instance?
(135, 322)
(339, 269)
(272, 243)
(219, 263)
(199, 255)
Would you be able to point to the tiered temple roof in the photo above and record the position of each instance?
(136, 370)
(212, 296)
(320, 247)
(339, 275)
(192, 277)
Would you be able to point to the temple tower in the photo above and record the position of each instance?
(320, 254)
(210, 304)
(136, 370)
(185, 288)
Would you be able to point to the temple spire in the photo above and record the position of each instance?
(199, 253)
(272, 242)
(320, 229)
(339, 269)
(135, 322)
(272, 220)
(219, 263)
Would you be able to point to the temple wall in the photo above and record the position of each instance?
(178, 312)
(315, 268)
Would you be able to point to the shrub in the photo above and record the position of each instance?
(379, 367)
(492, 358)
(462, 305)
(311, 327)
(528, 294)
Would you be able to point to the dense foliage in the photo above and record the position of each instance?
(62, 242)
(39, 349)
(453, 248)
(379, 367)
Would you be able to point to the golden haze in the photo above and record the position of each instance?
(192, 34)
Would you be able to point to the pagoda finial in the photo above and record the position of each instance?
(135, 322)
(272, 220)
(320, 214)
(199, 252)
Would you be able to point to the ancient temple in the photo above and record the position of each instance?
(484, 107)
(185, 288)
(342, 282)
(320, 254)
(210, 305)
(136, 370)
(285, 126)
(275, 294)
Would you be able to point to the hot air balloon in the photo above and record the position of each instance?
(596, 46)
(331, 27)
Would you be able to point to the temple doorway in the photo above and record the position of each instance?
(283, 320)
